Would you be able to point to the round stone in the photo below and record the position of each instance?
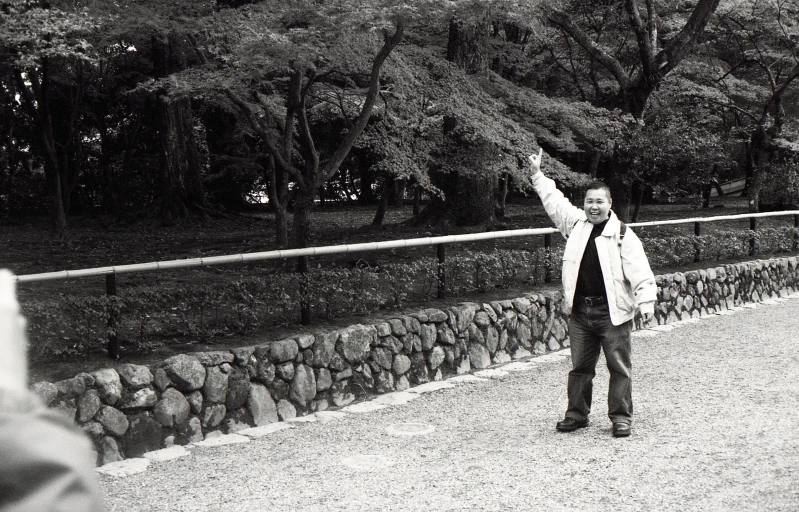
(410, 429)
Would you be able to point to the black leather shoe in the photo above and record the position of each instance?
(621, 430)
(571, 424)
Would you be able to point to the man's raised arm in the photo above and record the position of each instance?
(46, 462)
(559, 209)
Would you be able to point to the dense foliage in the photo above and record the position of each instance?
(184, 108)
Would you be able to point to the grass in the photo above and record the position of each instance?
(99, 241)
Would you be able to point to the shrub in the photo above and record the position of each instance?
(148, 315)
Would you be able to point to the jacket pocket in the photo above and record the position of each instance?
(624, 297)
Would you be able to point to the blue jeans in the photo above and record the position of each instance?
(590, 329)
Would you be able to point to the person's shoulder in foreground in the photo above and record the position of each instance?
(46, 462)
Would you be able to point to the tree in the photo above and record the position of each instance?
(755, 63)
(181, 189)
(308, 168)
(656, 55)
(42, 48)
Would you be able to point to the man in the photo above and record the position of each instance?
(606, 278)
(46, 463)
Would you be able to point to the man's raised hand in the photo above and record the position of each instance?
(535, 162)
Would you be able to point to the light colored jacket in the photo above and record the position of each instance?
(629, 281)
(46, 462)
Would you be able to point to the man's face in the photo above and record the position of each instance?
(597, 205)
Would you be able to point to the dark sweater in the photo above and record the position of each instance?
(589, 280)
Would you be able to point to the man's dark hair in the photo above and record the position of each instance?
(598, 185)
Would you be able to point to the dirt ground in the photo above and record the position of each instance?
(716, 415)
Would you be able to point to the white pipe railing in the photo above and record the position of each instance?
(347, 248)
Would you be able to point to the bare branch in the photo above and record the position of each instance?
(264, 134)
(641, 37)
(668, 58)
(565, 23)
(735, 67)
(390, 42)
(312, 159)
(261, 99)
(292, 104)
(25, 93)
(652, 25)
(788, 81)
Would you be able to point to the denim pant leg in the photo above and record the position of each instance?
(584, 346)
(617, 347)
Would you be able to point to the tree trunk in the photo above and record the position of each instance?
(595, 156)
(382, 206)
(417, 199)
(637, 199)
(181, 190)
(502, 195)
(168, 54)
(301, 227)
(398, 192)
(279, 197)
(281, 228)
(760, 157)
(367, 195)
(38, 104)
(467, 45)
(469, 200)
(621, 194)
(58, 216)
(303, 204)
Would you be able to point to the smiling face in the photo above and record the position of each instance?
(597, 205)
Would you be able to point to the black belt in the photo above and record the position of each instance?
(592, 301)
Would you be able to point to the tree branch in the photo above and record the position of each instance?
(731, 107)
(306, 137)
(565, 23)
(784, 87)
(675, 52)
(389, 43)
(641, 37)
(264, 134)
(292, 104)
(652, 26)
(742, 63)
(197, 50)
(261, 99)
(25, 93)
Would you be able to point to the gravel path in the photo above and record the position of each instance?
(716, 428)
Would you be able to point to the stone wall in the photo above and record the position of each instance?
(134, 409)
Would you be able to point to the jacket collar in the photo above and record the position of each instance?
(613, 226)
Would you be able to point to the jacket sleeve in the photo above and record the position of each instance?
(635, 266)
(46, 463)
(564, 214)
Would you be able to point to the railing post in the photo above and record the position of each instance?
(697, 234)
(441, 251)
(753, 239)
(796, 233)
(305, 299)
(548, 263)
(111, 292)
